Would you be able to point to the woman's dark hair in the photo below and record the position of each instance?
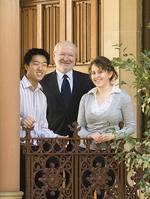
(35, 51)
(105, 64)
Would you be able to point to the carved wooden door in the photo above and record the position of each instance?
(45, 22)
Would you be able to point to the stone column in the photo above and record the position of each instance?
(110, 20)
(130, 37)
(9, 99)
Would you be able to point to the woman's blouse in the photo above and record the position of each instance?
(105, 117)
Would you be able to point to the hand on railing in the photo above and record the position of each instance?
(104, 137)
(27, 123)
(74, 127)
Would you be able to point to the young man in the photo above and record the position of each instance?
(33, 103)
(64, 88)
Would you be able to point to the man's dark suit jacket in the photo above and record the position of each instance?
(58, 115)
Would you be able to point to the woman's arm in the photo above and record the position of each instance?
(128, 117)
(82, 117)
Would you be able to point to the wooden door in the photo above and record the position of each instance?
(45, 22)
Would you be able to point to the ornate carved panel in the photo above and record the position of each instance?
(72, 168)
(56, 170)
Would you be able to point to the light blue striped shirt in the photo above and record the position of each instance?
(33, 103)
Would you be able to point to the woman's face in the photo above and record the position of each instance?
(100, 78)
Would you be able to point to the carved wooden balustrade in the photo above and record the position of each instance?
(64, 168)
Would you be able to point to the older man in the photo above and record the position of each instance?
(64, 88)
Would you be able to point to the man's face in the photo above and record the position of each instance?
(36, 69)
(64, 58)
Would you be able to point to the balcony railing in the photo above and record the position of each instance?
(74, 168)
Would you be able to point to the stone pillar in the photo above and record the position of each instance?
(130, 37)
(110, 20)
(9, 99)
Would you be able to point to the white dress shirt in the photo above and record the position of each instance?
(60, 79)
(33, 103)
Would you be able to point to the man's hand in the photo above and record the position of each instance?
(27, 123)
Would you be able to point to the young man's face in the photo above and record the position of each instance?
(36, 69)
(64, 58)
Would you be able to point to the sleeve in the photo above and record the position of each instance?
(128, 117)
(22, 132)
(21, 121)
(82, 118)
(44, 131)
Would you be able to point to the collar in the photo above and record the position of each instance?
(115, 89)
(27, 84)
(60, 75)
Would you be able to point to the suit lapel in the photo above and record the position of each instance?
(75, 85)
(55, 87)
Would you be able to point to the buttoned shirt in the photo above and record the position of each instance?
(60, 79)
(105, 117)
(33, 103)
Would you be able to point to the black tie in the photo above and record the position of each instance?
(65, 90)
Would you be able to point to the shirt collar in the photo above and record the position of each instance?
(27, 84)
(60, 75)
(115, 89)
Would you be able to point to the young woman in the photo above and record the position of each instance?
(105, 106)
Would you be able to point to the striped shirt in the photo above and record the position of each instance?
(33, 103)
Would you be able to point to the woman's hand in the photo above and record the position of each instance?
(99, 138)
(94, 136)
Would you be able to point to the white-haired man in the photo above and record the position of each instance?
(64, 88)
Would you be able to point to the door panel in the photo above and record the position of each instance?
(45, 22)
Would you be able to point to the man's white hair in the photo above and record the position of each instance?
(65, 43)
